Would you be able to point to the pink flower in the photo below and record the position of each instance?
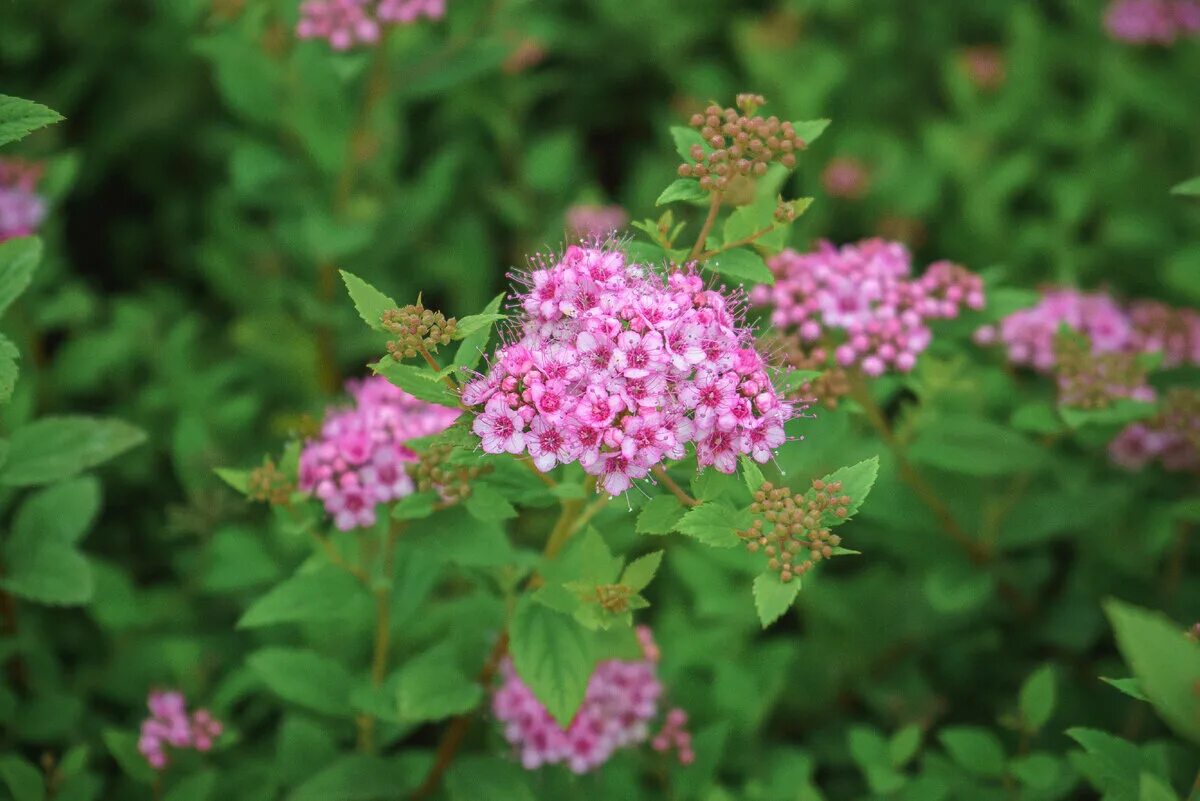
(551, 444)
(22, 210)
(595, 222)
(500, 429)
(1141, 21)
(169, 725)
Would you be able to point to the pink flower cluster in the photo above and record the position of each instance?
(346, 23)
(621, 699)
(674, 735)
(1144, 326)
(846, 177)
(359, 459)
(618, 369)
(21, 208)
(1172, 438)
(863, 301)
(169, 725)
(1152, 21)
(591, 222)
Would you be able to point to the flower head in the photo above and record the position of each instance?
(170, 726)
(590, 222)
(618, 368)
(360, 458)
(22, 209)
(347, 23)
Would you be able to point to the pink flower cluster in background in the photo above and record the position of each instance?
(1144, 326)
(674, 735)
(618, 368)
(846, 177)
(1171, 438)
(1152, 21)
(592, 222)
(22, 209)
(169, 725)
(346, 23)
(359, 459)
(862, 302)
(622, 697)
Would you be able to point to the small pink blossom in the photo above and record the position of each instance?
(169, 726)
(22, 209)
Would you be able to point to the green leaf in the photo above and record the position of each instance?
(1037, 696)
(487, 505)
(974, 748)
(772, 597)
(976, 447)
(9, 369)
(19, 257)
(20, 117)
(432, 687)
(1037, 418)
(49, 572)
(360, 777)
(660, 515)
(681, 189)
(1166, 663)
(790, 382)
(752, 474)
(368, 301)
(1119, 413)
(304, 678)
(471, 350)
(1189, 188)
(61, 513)
(239, 480)
(473, 323)
(1111, 764)
(741, 264)
(904, 745)
(197, 787)
(714, 524)
(551, 653)
(417, 506)
(488, 778)
(810, 130)
(640, 572)
(857, 480)
(326, 594)
(123, 747)
(419, 382)
(54, 448)
(1131, 687)
(23, 780)
(1152, 788)
(684, 138)
(1038, 771)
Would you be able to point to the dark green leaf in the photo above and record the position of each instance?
(19, 257)
(20, 117)
(54, 448)
(681, 189)
(419, 382)
(551, 654)
(714, 524)
(772, 597)
(741, 264)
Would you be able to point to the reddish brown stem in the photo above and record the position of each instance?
(672, 487)
(714, 208)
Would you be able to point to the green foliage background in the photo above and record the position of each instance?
(212, 175)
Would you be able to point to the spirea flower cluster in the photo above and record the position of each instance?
(861, 305)
(360, 458)
(846, 177)
(1171, 438)
(587, 221)
(346, 23)
(170, 726)
(1152, 21)
(618, 368)
(621, 700)
(1144, 326)
(22, 209)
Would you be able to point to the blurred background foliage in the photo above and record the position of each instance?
(213, 173)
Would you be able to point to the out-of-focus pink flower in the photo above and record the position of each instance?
(22, 209)
(846, 177)
(592, 222)
(170, 727)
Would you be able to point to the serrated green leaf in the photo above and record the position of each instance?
(304, 678)
(681, 189)
(810, 130)
(488, 778)
(62, 513)
(368, 301)
(660, 515)
(53, 448)
(486, 504)
(714, 524)
(474, 323)
(552, 656)
(419, 382)
(432, 687)
(360, 777)
(857, 481)
(772, 597)
(326, 594)
(752, 474)
(1036, 700)
(470, 351)
(239, 480)
(742, 265)
(197, 787)
(1111, 764)
(49, 573)
(19, 257)
(684, 139)
(1166, 663)
(417, 506)
(640, 572)
(20, 117)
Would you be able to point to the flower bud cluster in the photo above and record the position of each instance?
(619, 368)
(22, 209)
(435, 471)
(417, 330)
(360, 458)
(1090, 380)
(620, 701)
(346, 23)
(1158, 22)
(860, 305)
(739, 142)
(1171, 438)
(269, 484)
(170, 726)
(792, 530)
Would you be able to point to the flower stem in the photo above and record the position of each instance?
(672, 487)
(714, 207)
(437, 368)
(708, 254)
